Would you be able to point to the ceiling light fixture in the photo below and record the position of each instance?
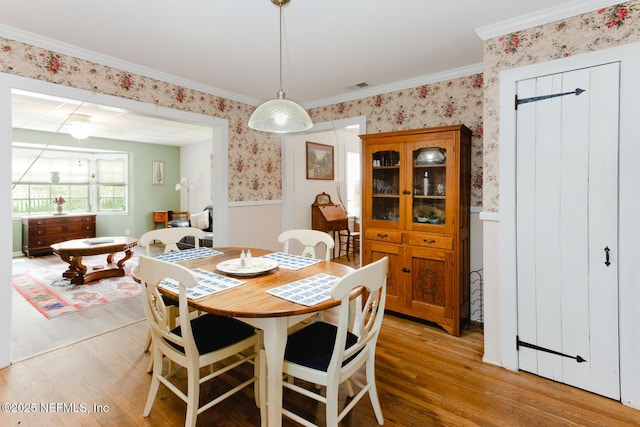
(280, 115)
(79, 126)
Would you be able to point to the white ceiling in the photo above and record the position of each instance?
(230, 47)
(47, 113)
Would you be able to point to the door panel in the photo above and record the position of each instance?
(574, 223)
(373, 251)
(432, 290)
(566, 215)
(603, 229)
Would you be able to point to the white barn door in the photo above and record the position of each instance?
(567, 228)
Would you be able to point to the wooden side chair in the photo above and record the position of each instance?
(220, 343)
(310, 239)
(328, 355)
(349, 241)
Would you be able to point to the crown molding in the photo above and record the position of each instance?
(401, 85)
(88, 55)
(545, 16)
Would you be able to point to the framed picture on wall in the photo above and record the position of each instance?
(157, 170)
(319, 161)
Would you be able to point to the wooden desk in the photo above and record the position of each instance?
(72, 252)
(328, 217)
(161, 217)
(251, 304)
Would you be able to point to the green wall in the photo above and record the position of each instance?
(144, 197)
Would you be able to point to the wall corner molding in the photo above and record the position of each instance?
(545, 16)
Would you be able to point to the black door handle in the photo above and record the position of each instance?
(606, 256)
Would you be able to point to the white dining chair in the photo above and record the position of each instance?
(170, 237)
(309, 239)
(329, 355)
(196, 343)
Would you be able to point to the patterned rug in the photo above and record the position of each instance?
(52, 295)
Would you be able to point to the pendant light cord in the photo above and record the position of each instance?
(281, 90)
(46, 146)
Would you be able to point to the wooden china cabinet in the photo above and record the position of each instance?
(416, 201)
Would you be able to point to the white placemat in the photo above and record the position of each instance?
(208, 283)
(310, 291)
(187, 254)
(290, 261)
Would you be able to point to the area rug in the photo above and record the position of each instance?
(52, 295)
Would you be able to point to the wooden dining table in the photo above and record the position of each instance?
(251, 304)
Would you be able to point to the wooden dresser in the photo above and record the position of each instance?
(39, 232)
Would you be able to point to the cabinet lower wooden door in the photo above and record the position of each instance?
(373, 251)
(430, 286)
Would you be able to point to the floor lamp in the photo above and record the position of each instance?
(185, 184)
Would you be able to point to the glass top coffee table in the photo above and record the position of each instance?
(72, 252)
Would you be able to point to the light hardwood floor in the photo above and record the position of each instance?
(425, 377)
(33, 334)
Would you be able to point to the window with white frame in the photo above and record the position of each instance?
(86, 181)
(353, 183)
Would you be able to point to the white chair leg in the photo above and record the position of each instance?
(257, 373)
(373, 391)
(332, 405)
(147, 344)
(193, 396)
(349, 388)
(150, 363)
(262, 388)
(155, 382)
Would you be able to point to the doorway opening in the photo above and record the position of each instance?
(135, 223)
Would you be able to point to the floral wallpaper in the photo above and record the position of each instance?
(439, 104)
(600, 29)
(254, 157)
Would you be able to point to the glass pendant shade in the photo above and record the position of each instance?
(280, 116)
(79, 126)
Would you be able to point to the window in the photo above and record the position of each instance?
(87, 181)
(353, 183)
(112, 195)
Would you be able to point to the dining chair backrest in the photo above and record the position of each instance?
(328, 355)
(367, 328)
(309, 239)
(152, 272)
(170, 237)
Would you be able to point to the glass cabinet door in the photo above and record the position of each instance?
(429, 175)
(385, 184)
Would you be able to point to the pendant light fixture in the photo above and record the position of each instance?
(280, 115)
(79, 126)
